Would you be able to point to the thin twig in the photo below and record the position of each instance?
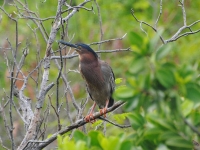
(1, 143)
(193, 128)
(178, 34)
(56, 112)
(184, 13)
(160, 13)
(142, 22)
(100, 23)
(115, 124)
(109, 40)
(101, 51)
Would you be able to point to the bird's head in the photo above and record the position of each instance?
(84, 51)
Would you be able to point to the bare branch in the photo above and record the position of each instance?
(115, 124)
(1, 143)
(156, 23)
(109, 40)
(184, 13)
(100, 23)
(178, 34)
(193, 128)
(101, 51)
(77, 124)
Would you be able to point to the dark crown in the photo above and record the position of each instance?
(85, 46)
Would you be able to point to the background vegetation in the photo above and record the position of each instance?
(160, 83)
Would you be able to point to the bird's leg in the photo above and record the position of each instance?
(90, 115)
(103, 111)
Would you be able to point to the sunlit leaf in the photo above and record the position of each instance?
(187, 107)
(118, 80)
(124, 92)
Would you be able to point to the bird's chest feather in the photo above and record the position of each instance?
(92, 74)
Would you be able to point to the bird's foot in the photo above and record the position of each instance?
(89, 117)
(103, 112)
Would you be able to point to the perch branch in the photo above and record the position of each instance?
(77, 124)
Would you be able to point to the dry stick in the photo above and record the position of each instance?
(57, 114)
(184, 13)
(115, 124)
(70, 8)
(1, 143)
(109, 40)
(43, 91)
(5, 120)
(12, 80)
(100, 23)
(160, 13)
(63, 34)
(177, 35)
(142, 22)
(193, 128)
(101, 51)
(38, 24)
(77, 124)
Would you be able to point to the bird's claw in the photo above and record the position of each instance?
(103, 112)
(89, 117)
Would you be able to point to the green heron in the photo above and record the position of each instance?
(99, 77)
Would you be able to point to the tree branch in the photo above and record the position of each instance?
(178, 34)
(77, 124)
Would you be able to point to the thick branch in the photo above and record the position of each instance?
(77, 124)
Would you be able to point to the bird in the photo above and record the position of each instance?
(98, 75)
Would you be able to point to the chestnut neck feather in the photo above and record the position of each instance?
(91, 71)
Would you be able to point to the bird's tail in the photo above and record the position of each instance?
(111, 102)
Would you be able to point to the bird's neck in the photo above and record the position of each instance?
(88, 59)
(91, 72)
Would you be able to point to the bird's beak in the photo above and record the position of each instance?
(68, 44)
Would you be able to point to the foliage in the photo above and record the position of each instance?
(95, 141)
(162, 91)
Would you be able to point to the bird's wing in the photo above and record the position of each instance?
(89, 91)
(108, 75)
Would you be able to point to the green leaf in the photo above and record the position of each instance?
(137, 65)
(187, 107)
(166, 77)
(80, 145)
(113, 143)
(135, 39)
(124, 92)
(137, 120)
(126, 145)
(152, 133)
(167, 135)
(161, 123)
(78, 135)
(95, 136)
(120, 118)
(179, 142)
(163, 51)
(193, 92)
(118, 80)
